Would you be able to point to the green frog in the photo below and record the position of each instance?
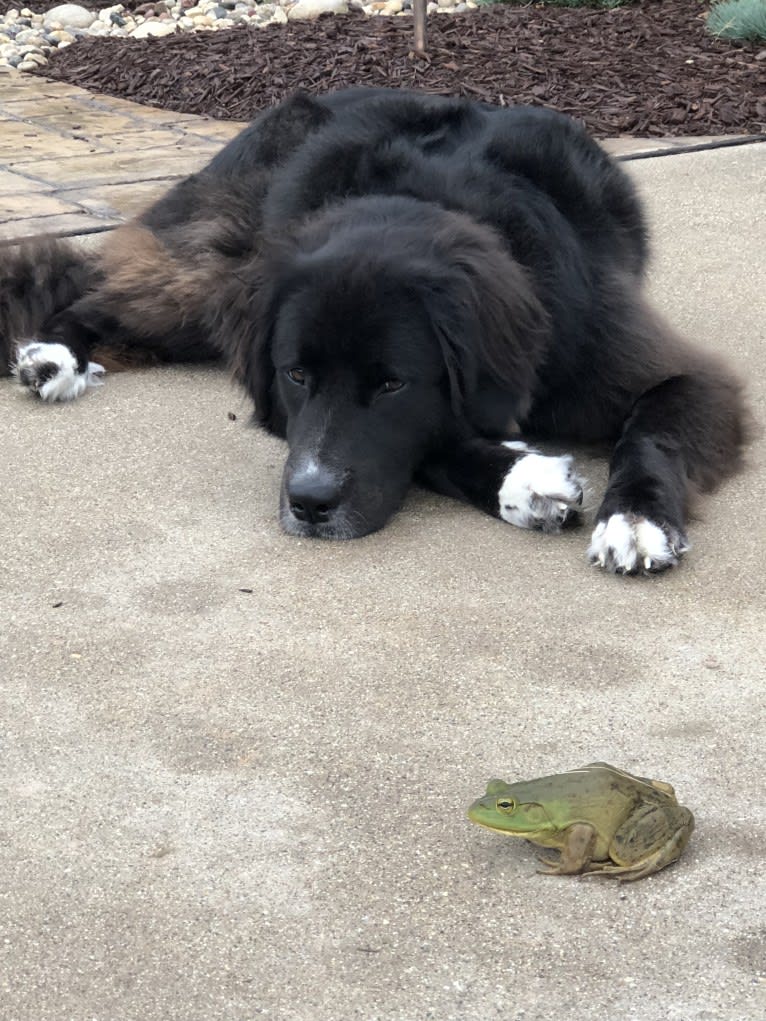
(600, 819)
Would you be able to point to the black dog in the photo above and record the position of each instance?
(403, 283)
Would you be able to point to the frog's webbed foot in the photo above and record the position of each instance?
(629, 873)
(623, 873)
(559, 867)
(553, 867)
(586, 869)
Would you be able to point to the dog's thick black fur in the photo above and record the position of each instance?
(403, 282)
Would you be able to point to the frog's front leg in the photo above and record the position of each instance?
(650, 839)
(579, 843)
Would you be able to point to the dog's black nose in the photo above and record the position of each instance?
(313, 496)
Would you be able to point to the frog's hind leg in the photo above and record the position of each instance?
(666, 855)
(635, 862)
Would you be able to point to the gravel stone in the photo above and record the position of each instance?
(308, 10)
(71, 15)
(153, 28)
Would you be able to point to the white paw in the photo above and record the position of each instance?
(630, 544)
(540, 492)
(50, 371)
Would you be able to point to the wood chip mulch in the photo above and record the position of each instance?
(646, 69)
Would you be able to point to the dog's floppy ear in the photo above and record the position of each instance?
(485, 314)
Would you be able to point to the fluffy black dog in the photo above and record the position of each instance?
(404, 284)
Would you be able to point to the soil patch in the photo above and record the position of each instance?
(646, 69)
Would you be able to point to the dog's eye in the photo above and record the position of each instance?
(391, 386)
(297, 375)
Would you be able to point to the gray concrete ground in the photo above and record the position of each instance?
(235, 765)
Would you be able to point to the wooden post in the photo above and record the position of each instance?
(419, 12)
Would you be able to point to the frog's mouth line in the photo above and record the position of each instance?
(496, 829)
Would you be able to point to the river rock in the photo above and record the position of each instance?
(307, 10)
(153, 28)
(70, 16)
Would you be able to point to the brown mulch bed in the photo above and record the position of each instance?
(646, 69)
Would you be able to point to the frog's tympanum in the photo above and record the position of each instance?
(600, 818)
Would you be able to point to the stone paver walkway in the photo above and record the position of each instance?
(76, 163)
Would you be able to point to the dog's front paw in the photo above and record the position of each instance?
(631, 544)
(51, 371)
(540, 492)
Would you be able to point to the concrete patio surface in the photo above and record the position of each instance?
(234, 766)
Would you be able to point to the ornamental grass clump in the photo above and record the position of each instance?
(738, 19)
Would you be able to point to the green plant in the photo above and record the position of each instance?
(738, 19)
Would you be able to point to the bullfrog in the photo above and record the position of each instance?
(600, 818)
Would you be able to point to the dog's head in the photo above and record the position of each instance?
(362, 339)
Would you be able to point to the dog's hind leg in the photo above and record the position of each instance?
(683, 435)
(39, 281)
(133, 303)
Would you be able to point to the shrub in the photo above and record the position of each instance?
(738, 19)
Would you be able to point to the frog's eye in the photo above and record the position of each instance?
(505, 804)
